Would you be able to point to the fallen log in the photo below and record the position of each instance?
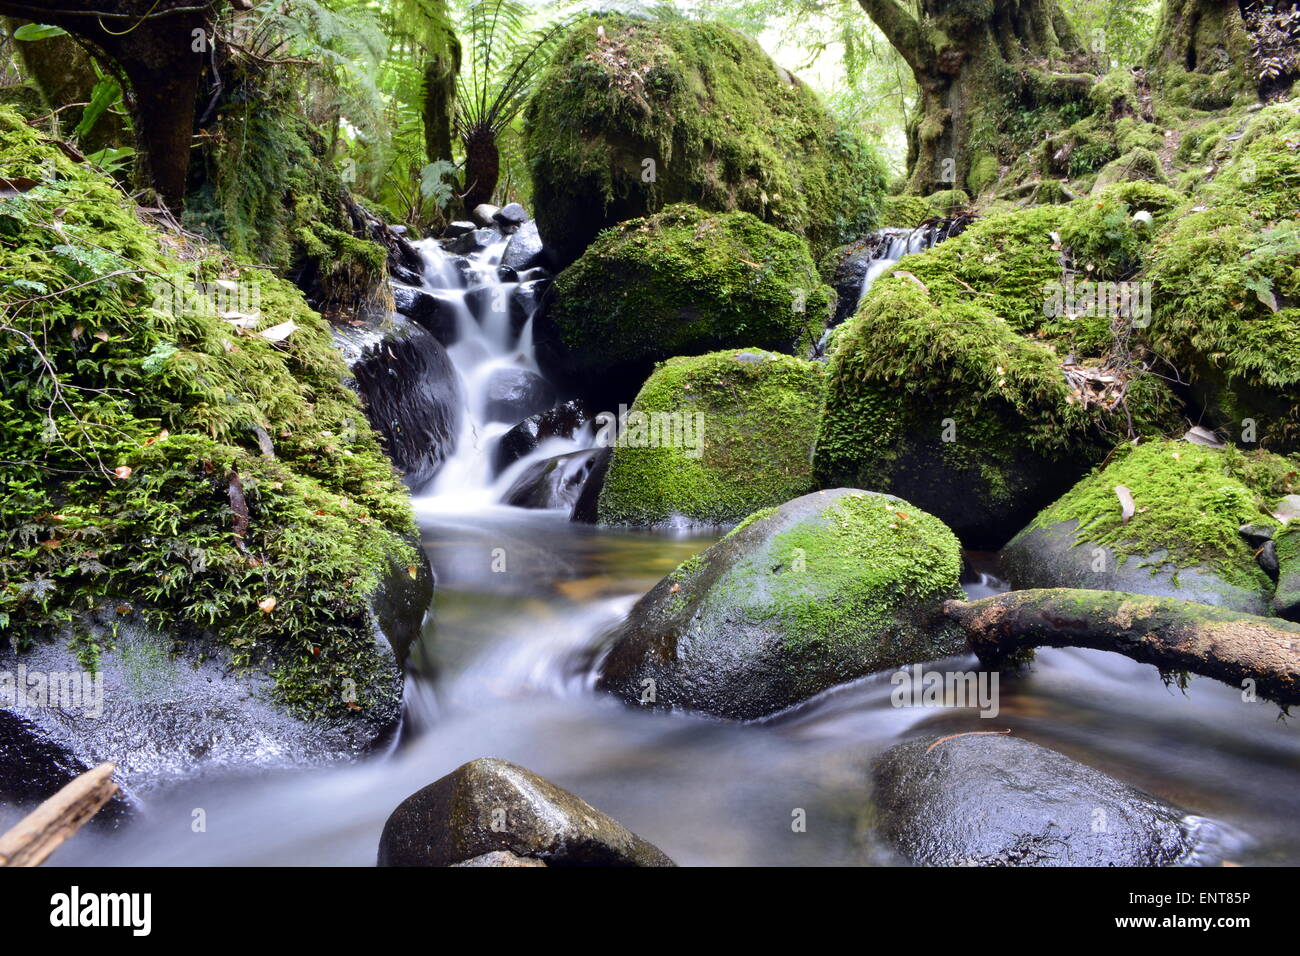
(45, 829)
(1172, 634)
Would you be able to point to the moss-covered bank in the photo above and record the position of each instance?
(632, 115)
(178, 443)
(950, 387)
(750, 417)
(685, 281)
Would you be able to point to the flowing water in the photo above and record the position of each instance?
(522, 594)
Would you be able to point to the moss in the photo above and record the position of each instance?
(904, 212)
(724, 126)
(1217, 277)
(129, 409)
(263, 185)
(984, 171)
(1190, 502)
(951, 374)
(684, 282)
(1106, 239)
(756, 412)
(1137, 164)
(1263, 175)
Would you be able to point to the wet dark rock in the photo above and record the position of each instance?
(524, 250)
(848, 276)
(472, 241)
(410, 389)
(998, 800)
(1050, 557)
(515, 393)
(434, 313)
(458, 228)
(510, 216)
(488, 299)
(501, 858)
(563, 421)
(530, 296)
(586, 508)
(553, 482)
(484, 214)
(1267, 558)
(755, 624)
(492, 807)
(507, 274)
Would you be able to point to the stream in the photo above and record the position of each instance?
(522, 595)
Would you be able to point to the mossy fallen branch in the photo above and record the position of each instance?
(1173, 635)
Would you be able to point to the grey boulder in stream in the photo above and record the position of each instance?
(490, 812)
(989, 799)
(826, 588)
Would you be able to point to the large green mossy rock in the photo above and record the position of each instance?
(713, 438)
(821, 590)
(632, 115)
(191, 451)
(684, 282)
(1226, 288)
(1286, 599)
(1183, 540)
(948, 387)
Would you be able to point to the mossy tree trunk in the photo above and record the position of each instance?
(440, 97)
(160, 46)
(64, 73)
(482, 167)
(1203, 36)
(974, 61)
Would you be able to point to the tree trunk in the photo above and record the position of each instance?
(1174, 635)
(64, 73)
(160, 46)
(440, 98)
(974, 68)
(1205, 37)
(482, 167)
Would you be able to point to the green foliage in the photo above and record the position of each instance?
(757, 415)
(685, 281)
(129, 420)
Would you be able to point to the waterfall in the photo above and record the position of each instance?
(491, 348)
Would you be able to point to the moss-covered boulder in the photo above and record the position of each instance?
(188, 453)
(976, 384)
(1226, 287)
(633, 114)
(713, 438)
(1286, 599)
(1184, 538)
(796, 599)
(683, 282)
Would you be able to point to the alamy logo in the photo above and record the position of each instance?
(74, 908)
(918, 687)
(61, 690)
(636, 429)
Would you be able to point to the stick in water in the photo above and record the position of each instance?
(45, 829)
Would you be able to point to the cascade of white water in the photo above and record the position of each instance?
(489, 342)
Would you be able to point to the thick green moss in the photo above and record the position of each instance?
(724, 127)
(757, 413)
(1222, 284)
(951, 376)
(908, 212)
(263, 186)
(131, 416)
(1190, 502)
(684, 282)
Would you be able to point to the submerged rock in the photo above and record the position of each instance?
(490, 812)
(684, 282)
(821, 590)
(998, 800)
(1183, 540)
(411, 392)
(744, 134)
(711, 439)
